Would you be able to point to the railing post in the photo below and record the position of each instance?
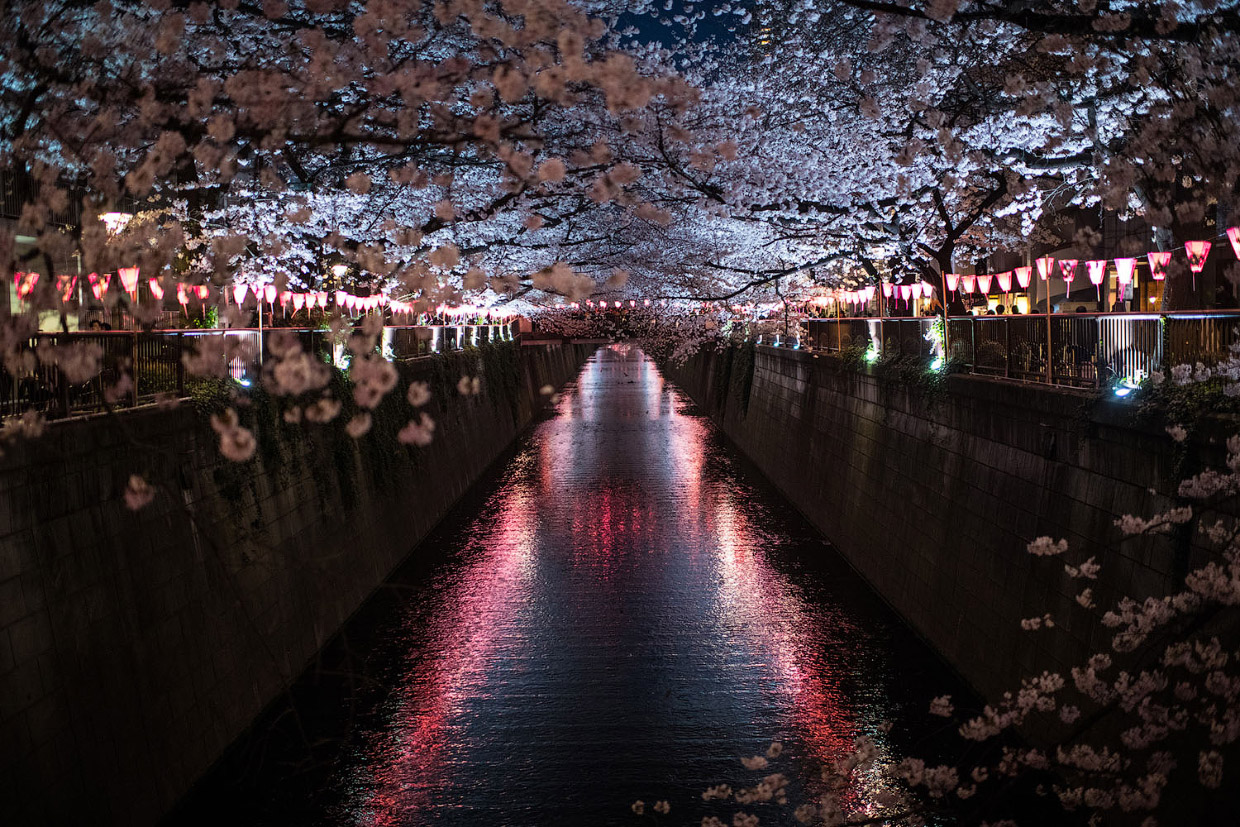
(1007, 347)
(180, 356)
(133, 369)
(1050, 358)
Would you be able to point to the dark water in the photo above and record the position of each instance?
(621, 614)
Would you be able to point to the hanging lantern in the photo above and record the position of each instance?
(203, 292)
(983, 284)
(869, 290)
(906, 292)
(322, 299)
(953, 279)
(927, 289)
(98, 284)
(64, 286)
(1022, 276)
(916, 289)
(1124, 269)
(157, 289)
(299, 301)
(1046, 266)
(1067, 267)
(1233, 235)
(285, 298)
(1005, 281)
(1197, 253)
(1097, 273)
(1159, 259)
(129, 278)
(182, 296)
(239, 291)
(269, 293)
(969, 283)
(888, 289)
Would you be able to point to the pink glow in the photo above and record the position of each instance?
(888, 289)
(1233, 235)
(983, 283)
(1022, 276)
(239, 291)
(64, 286)
(1067, 267)
(1005, 281)
(916, 288)
(953, 279)
(969, 283)
(25, 283)
(299, 301)
(157, 289)
(269, 293)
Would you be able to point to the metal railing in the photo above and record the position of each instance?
(31, 379)
(1077, 349)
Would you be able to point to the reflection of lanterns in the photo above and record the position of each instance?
(1046, 266)
(953, 280)
(1159, 259)
(157, 289)
(1067, 267)
(64, 286)
(1197, 252)
(1022, 276)
(25, 283)
(1097, 272)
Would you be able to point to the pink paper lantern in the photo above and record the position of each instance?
(129, 278)
(64, 286)
(269, 293)
(1159, 259)
(1046, 265)
(203, 292)
(888, 288)
(299, 301)
(1233, 235)
(927, 289)
(869, 290)
(1124, 268)
(953, 280)
(1023, 275)
(322, 296)
(1197, 253)
(1067, 267)
(969, 283)
(182, 296)
(157, 289)
(1005, 281)
(983, 283)
(906, 292)
(1097, 273)
(239, 291)
(916, 289)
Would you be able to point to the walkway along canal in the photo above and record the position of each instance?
(622, 612)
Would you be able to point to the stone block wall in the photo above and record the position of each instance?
(933, 496)
(136, 646)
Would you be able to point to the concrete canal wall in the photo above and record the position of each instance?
(136, 646)
(932, 493)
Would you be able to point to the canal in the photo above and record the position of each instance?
(622, 611)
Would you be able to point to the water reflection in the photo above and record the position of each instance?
(624, 617)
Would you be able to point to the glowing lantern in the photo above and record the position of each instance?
(1197, 252)
(1022, 276)
(239, 291)
(1124, 268)
(203, 292)
(983, 283)
(969, 283)
(906, 291)
(888, 289)
(269, 293)
(1005, 281)
(25, 283)
(129, 278)
(1046, 265)
(1097, 272)
(869, 292)
(1233, 235)
(1067, 267)
(632, 303)
(157, 289)
(99, 284)
(181, 295)
(647, 303)
(1159, 260)
(617, 305)
(64, 286)
(323, 299)
(928, 289)
(299, 301)
(953, 279)
(916, 289)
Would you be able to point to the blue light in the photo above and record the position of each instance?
(937, 364)
(245, 383)
(1123, 390)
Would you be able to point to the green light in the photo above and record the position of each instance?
(871, 355)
